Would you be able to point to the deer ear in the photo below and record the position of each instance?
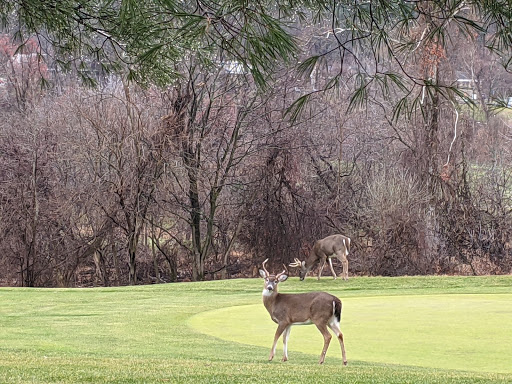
(282, 278)
(304, 264)
(262, 273)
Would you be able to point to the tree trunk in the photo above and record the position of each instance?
(101, 271)
(27, 272)
(115, 258)
(195, 214)
(153, 252)
(132, 262)
(224, 273)
(431, 170)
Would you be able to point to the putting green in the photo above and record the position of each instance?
(465, 332)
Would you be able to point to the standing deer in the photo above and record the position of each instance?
(332, 246)
(319, 308)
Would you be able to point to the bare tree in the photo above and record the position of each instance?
(210, 118)
(126, 161)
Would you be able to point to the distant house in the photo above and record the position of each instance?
(232, 67)
(468, 87)
(26, 58)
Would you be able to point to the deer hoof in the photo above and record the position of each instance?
(285, 358)
(344, 363)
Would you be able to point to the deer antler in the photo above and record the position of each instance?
(265, 269)
(296, 263)
(263, 266)
(282, 273)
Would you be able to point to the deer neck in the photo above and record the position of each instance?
(269, 298)
(311, 260)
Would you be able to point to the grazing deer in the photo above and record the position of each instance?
(332, 246)
(319, 308)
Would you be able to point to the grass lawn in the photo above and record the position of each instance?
(397, 330)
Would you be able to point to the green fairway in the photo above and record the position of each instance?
(397, 330)
(464, 332)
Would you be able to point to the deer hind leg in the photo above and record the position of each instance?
(335, 326)
(327, 339)
(286, 335)
(344, 261)
(342, 256)
(332, 269)
(280, 329)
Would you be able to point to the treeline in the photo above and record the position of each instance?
(208, 177)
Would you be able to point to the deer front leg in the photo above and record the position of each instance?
(286, 335)
(322, 264)
(332, 269)
(327, 339)
(280, 328)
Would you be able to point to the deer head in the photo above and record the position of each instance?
(302, 265)
(271, 281)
